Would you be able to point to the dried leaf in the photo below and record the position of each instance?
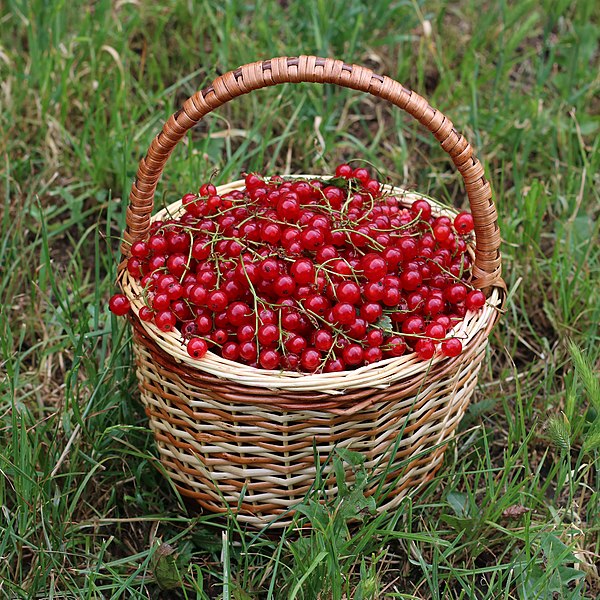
(515, 511)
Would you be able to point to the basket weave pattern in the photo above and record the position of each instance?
(237, 438)
(220, 444)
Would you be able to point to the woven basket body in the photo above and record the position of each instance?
(251, 441)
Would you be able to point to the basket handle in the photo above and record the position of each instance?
(253, 76)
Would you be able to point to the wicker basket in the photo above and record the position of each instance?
(237, 438)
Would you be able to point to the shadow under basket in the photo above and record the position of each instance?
(235, 438)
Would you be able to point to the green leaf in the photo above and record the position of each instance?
(340, 182)
(351, 457)
(457, 523)
(340, 475)
(459, 502)
(165, 567)
(554, 549)
(237, 593)
(476, 409)
(385, 323)
(311, 568)
(354, 504)
(316, 514)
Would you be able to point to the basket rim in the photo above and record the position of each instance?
(376, 375)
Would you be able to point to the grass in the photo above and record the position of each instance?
(85, 513)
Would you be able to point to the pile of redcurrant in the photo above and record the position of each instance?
(311, 275)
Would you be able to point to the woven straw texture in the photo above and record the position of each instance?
(248, 440)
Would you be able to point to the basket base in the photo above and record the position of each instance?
(283, 518)
(259, 462)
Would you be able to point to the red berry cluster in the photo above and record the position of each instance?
(306, 274)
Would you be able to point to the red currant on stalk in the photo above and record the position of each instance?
(197, 294)
(181, 310)
(444, 321)
(177, 264)
(246, 332)
(374, 291)
(230, 351)
(295, 343)
(361, 174)
(435, 331)
(248, 351)
(119, 305)
(146, 313)
(334, 365)
(421, 208)
(165, 320)
(174, 291)
(455, 293)
(452, 347)
(268, 335)
(269, 268)
(319, 305)
(371, 311)
(353, 354)
(358, 329)
(475, 300)
(207, 189)
(343, 170)
(413, 325)
(157, 262)
(270, 233)
(178, 241)
(391, 296)
(372, 187)
(408, 247)
(284, 285)
(217, 301)
(306, 274)
(323, 340)
(392, 256)
(197, 347)
(348, 291)
(238, 313)
(220, 320)
(140, 249)
(312, 238)
(396, 346)
(267, 316)
(204, 324)
(344, 313)
(290, 362)
(425, 349)
(288, 208)
(134, 266)
(269, 359)
(463, 223)
(158, 244)
(310, 359)
(335, 196)
(411, 280)
(375, 338)
(374, 267)
(373, 355)
(433, 306)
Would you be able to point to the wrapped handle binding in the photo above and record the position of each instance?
(253, 76)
